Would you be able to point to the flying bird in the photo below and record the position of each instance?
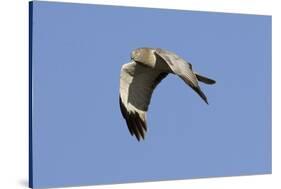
(139, 77)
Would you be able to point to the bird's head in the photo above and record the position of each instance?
(136, 54)
(143, 55)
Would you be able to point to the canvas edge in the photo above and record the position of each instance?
(30, 12)
(120, 5)
(30, 156)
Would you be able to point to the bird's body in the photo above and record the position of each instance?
(139, 77)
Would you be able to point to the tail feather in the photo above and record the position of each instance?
(205, 79)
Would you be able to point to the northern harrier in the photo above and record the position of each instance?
(139, 77)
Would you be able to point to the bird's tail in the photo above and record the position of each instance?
(205, 79)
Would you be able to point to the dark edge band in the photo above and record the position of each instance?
(30, 159)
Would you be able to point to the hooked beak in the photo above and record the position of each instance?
(133, 55)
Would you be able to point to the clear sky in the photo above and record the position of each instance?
(79, 135)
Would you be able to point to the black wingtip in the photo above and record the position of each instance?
(135, 124)
(207, 102)
(201, 94)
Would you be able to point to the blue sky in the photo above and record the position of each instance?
(79, 135)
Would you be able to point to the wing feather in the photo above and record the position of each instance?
(137, 83)
(181, 68)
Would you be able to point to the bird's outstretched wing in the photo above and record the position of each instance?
(181, 68)
(137, 83)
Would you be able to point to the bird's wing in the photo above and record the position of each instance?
(137, 83)
(181, 68)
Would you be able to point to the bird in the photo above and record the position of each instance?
(138, 78)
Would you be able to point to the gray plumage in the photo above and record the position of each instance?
(139, 77)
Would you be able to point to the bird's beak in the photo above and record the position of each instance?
(132, 61)
(133, 55)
